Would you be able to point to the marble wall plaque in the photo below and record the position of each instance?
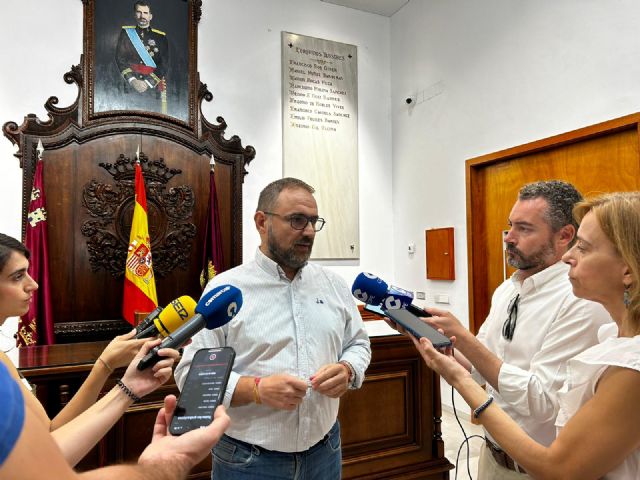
(320, 135)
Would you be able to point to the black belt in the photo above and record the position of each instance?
(258, 449)
(502, 458)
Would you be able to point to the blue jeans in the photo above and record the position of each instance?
(236, 460)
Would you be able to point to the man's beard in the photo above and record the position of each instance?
(288, 257)
(518, 260)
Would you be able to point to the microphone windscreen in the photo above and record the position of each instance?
(219, 305)
(148, 320)
(369, 289)
(215, 309)
(397, 298)
(175, 315)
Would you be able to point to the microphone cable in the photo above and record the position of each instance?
(466, 440)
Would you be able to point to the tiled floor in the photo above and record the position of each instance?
(453, 438)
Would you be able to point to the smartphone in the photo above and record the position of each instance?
(417, 327)
(374, 309)
(417, 311)
(203, 390)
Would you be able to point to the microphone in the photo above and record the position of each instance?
(215, 309)
(371, 289)
(147, 322)
(172, 317)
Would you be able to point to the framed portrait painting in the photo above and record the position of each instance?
(140, 58)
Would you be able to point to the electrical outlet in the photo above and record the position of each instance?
(442, 298)
(420, 295)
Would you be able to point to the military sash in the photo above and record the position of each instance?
(132, 33)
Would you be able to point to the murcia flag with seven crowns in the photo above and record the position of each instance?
(139, 282)
(36, 326)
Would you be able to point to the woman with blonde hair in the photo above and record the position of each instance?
(83, 421)
(599, 419)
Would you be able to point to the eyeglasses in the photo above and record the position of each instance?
(509, 326)
(299, 221)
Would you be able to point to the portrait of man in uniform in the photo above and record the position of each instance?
(141, 56)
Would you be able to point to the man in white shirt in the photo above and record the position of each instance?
(300, 344)
(535, 324)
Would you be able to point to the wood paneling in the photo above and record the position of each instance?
(90, 204)
(71, 270)
(600, 158)
(391, 426)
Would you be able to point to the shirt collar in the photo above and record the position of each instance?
(538, 280)
(272, 268)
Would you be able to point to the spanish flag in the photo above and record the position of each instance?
(139, 282)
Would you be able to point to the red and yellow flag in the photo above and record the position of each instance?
(139, 282)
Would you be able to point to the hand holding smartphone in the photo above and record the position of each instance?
(203, 389)
(412, 324)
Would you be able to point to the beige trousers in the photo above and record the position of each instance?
(488, 468)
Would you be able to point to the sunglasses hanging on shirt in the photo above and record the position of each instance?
(509, 325)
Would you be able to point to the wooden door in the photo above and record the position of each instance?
(600, 158)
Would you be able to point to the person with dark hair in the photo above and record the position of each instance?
(8, 245)
(535, 323)
(83, 421)
(300, 345)
(599, 420)
(560, 198)
(142, 57)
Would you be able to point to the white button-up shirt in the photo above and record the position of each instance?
(552, 327)
(292, 327)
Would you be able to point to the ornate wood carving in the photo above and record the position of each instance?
(170, 213)
(89, 209)
(197, 11)
(72, 332)
(63, 128)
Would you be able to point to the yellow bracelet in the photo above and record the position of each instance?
(106, 364)
(256, 392)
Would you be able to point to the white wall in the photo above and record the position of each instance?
(239, 60)
(40, 41)
(510, 72)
